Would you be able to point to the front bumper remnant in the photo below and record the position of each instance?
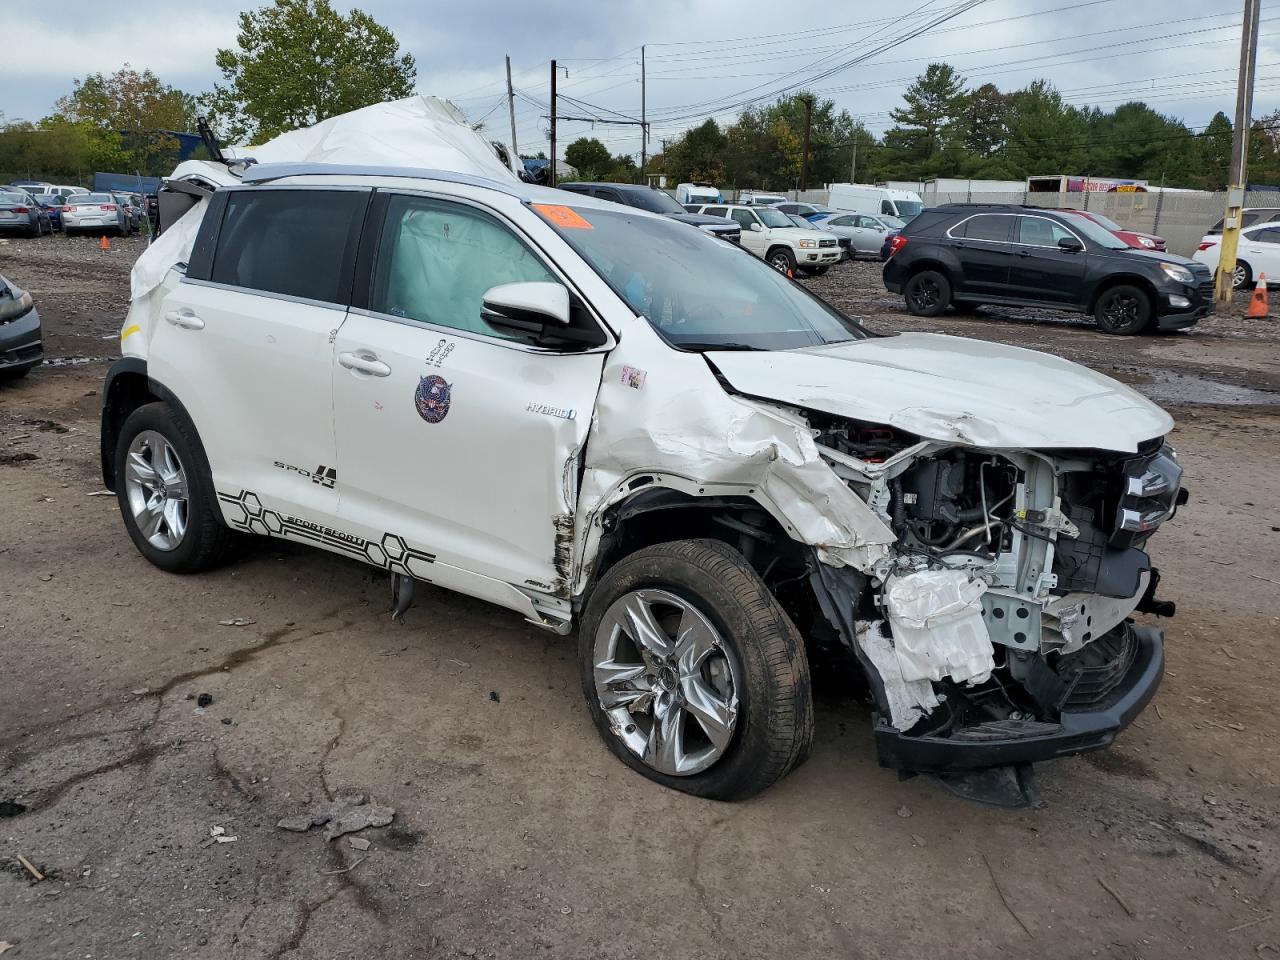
(1007, 742)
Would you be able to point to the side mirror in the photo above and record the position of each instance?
(526, 307)
(1070, 244)
(756, 227)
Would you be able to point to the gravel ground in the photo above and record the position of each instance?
(516, 834)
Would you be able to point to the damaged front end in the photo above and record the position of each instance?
(996, 631)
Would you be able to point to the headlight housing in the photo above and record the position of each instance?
(1147, 242)
(808, 244)
(1177, 272)
(15, 305)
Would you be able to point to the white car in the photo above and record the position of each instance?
(99, 212)
(760, 198)
(1258, 252)
(600, 419)
(773, 237)
(865, 232)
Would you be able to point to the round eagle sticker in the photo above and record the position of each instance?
(431, 399)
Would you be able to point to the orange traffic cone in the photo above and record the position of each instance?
(1258, 303)
(105, 244)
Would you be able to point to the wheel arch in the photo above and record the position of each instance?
(932, 263)
(127, 388)
(1125, 279)
(775, 247)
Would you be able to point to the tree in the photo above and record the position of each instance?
(982, 121)
(929, 122)
(697, 155)
(137, 109)
(298, 62)
(589, 157)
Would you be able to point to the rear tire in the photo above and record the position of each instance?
(1123, 310)
(928, 293)
(762, 695)
(163, 482)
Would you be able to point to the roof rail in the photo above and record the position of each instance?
(265, 172)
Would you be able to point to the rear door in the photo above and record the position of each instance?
(455, 440)
(245, 343)
(982, 245)
(1261, 250)
(1041, 270)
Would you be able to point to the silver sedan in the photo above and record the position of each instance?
(100, 212)
(864, 231)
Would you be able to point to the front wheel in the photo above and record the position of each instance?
(165, 496)
(1242, 276)
(694, 674)
(782, 261)
(1123, 309)
(927, 293)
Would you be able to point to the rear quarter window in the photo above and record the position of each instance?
(299, 243)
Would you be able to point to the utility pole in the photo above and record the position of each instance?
(551, 168)
(853, 167)
(644, 127)
(511, 108)
(1239, 152)
(804, 158)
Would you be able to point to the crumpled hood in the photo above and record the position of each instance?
(953, 389)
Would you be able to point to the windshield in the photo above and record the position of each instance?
(1097, 235)
(908, 208)
(893, 223)
(9, 197)
(1104, 221)
(655, 201)
(773, 218)
(695, 290)
(799, 221)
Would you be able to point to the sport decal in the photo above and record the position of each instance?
(431, 399)
(244, 511)
(322, 475)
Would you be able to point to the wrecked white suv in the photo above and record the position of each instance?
(601, 419)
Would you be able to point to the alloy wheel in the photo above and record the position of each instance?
(1121, 309)
(667, 681)
(1239, 277)
(157, 491)
(925, 294)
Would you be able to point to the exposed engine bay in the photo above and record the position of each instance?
(1004, 604)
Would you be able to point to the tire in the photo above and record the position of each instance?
(204, 541)
(763, 671)
(928, 293)
(1243, 277)
(780, 259)
(1123, 310)
(817, 271)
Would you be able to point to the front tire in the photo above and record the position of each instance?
(165, 495)
(1242, 277)
(928, 293)
(694, 674)
(782, 261)
(1123, 310)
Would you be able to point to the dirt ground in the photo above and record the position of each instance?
(516, 834)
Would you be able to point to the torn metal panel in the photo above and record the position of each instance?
(909, 701)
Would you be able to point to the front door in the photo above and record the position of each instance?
(982, 246)
(245, 345)
(456, 442)
(1040, 269)
(754, 236)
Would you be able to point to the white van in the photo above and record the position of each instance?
(687, 193)
(863, 198)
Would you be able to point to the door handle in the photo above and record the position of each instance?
(1024, 253)
(366, 363)
(184, 319)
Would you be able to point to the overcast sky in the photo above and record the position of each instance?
(702, 56)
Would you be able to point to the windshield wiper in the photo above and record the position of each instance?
(713, 345)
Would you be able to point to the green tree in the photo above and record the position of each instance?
(983, 113)
(298, 62)
(697, 155)
(589, 157)
(930, 121)
(1046, 135)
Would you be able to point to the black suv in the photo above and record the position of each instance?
(657, 201)
(965, 254)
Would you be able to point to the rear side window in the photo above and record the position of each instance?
(986, 227)
(299, 243)
(713, 211)
(1269, 235)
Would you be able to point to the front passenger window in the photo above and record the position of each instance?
(745, 218)
(437, 259)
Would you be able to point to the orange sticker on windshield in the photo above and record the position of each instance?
(565, 218)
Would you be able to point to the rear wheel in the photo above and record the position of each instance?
(165, 496)
(927, 293)
(694, 675)
(1123, 309)
(782, 260)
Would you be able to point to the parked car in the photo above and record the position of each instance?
(22, 212)
(724, 483)
(20, 343)
(770, 235)
(132, 209)
(760, 198)
(687, 193)
(52, 204)
(967, 254)
(862, 198)
(100, 212)
(1258, 251)
(1249, 216)
(810, 211)
(1135, 239)
(41, 189)
(865, 232)
(657, 201)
